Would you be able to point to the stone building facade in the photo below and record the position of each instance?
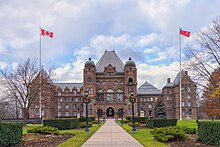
(109, 83)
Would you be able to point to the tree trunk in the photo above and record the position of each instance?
(24, 117)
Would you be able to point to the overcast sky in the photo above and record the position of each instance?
(145, 30)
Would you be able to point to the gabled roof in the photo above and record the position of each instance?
(69, 85)
(110, 57)
(147, 88)
(176, 81)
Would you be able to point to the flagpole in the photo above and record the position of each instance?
(180, 76)
(40, 108)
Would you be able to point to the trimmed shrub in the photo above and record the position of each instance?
(62, 123)
(209, 132)
(44, 130)
(124, 121)
(136, 124)
(169, 133)
(83, 119)
(128, 118)
(139, 119)
(188, 130)
(10, 133)
(95, 121)
(156, 123)
(83, 124)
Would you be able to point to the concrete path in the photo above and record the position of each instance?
(111, 135)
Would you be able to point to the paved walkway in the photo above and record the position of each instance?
(111, 135)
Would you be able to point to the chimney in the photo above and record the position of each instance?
(186, 73)
(168, 80)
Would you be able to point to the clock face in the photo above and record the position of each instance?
(89, 79)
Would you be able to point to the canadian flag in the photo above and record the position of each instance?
(46, 33)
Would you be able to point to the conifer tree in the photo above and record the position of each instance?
(160, 110)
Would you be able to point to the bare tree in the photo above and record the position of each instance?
(205, 58)
(204, 61)
(23, 85)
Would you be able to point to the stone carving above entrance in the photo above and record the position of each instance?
(110, 70)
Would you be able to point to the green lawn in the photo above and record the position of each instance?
(80, 137)
(144, 137)
(189, 123)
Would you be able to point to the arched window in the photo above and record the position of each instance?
(110, 95)
(130, 80)
(119, 95)
(150, 106)
(143, 106)
(100, 95)
(100, 91)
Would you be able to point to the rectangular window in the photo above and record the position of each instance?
(42, 112)
(37, 112)
(189, 104)
(59, 113)
(168, 98)
(188, 97)
(188, 89)
(73, 99)
(152, 99)
(182, 104)
(67, 113)
(74, 114)
(76, 99)
(183, 112)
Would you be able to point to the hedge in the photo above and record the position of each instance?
(62, 123)
(10, 133)
(157, 123)
(209, 132)
(83, 119)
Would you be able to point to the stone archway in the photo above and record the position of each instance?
(110, 112)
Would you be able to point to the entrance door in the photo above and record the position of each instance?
(110, 112)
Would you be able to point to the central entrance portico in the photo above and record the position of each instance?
(110, 112)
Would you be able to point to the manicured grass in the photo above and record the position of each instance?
(79, 138)
(144, 137)
(189, 123)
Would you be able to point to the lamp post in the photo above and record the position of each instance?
(133, 100)
(98, 113)
(86, 100)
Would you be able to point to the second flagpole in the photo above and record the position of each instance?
(40, 107)
(180, 76)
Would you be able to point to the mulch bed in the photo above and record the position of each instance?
(190, 142)
(38, 140)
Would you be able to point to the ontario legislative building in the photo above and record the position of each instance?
(109, 83)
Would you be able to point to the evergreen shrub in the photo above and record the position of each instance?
(62, 123)
(83, 119)
(209, 132)
(83, 124)
(44, 130)
(10, 133)
(156, 123)
(169, 134)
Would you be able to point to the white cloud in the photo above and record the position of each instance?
(3, 64)
(157, 75)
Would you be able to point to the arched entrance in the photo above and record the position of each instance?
(110, 112)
